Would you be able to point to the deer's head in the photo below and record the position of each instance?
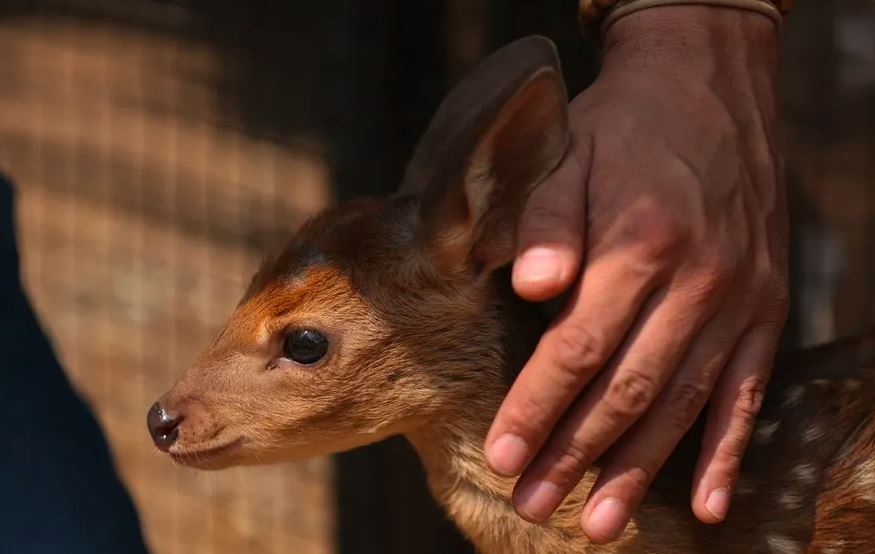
(379, 316)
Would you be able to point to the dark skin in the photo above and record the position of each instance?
(667, 221)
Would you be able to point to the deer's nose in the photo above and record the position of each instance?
(163, 426)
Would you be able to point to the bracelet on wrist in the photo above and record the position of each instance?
(596, 16)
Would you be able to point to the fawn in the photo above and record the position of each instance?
(395, 316)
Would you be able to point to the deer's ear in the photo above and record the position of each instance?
(497, 135)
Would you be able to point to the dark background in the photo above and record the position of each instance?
(159, 149)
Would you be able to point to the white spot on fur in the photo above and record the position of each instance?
(852, 384)
(765, 431)
(821, 382)
(835, 547)
(813, 432)
(783, 544)
(794, 396)
(864, 480)
(805, 474)
(790, 500)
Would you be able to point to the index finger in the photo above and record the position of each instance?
(604, 305)
(551, 233)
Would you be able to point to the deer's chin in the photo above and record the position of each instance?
(212, 457)
(297, 448)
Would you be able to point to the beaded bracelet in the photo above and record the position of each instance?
(598, 15)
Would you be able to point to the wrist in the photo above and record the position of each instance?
(695, 42)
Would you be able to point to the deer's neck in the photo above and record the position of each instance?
(474, 497)
(451, 449)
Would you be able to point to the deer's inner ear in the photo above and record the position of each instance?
(495, 137)
(523, 145)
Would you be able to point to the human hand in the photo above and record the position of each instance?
(673, 192)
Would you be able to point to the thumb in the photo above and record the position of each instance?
(551, 232)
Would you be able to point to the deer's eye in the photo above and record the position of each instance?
(305, 346)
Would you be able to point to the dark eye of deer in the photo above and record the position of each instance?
(305, 346)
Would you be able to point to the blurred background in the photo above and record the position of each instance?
(160, 148)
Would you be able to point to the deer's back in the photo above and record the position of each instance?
(808, 478)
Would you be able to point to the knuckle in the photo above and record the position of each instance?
(767, 271)
(749, 400)
(634, 476)
(731, 451)
(567, 462)
(718, 272)
(578, 349)
(630, 393)
(779, 295)
(641, 474)
(542, 216)
(777, 284)
(527, 416)
(687, 401)
(781, 290)
(658, 235)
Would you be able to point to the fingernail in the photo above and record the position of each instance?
(508, 454)
(538, 500)
(608, 519)
(718, 503)
(538, 264)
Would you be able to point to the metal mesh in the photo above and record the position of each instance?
(144, 206)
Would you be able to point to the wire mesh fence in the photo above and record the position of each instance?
(144, 206)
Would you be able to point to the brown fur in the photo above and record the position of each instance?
(426, 337)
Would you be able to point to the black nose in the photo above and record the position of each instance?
(163, 426)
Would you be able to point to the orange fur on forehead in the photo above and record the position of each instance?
(318, 292)
(356, 238)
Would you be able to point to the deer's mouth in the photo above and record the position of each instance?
(213, 457)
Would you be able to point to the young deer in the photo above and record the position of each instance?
(395, 316)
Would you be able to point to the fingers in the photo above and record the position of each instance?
(732, 413)
(635, 460)
(610, 407)
(551, 233)
(603, 307)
